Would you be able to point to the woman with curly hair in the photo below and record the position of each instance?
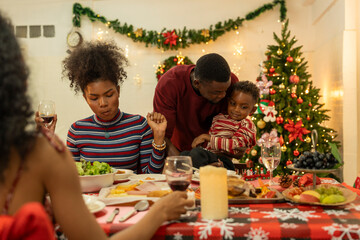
(123, 140)
(32, 165)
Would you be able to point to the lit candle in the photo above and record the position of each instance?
(214, 193)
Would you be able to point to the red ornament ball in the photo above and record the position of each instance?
(279, 120)
(268, 57)
(272, 70)
(308, 118)
(296, 153)
(294, 79)
(300, 101)
(310, 104)
(288, 162)
(272, 91)
(293, 95)
(289, 59)
(175, 59)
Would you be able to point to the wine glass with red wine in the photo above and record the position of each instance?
(47, 111)
(178, 171)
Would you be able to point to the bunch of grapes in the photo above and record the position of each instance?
(315, 160)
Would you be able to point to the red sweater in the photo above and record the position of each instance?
(188, 115)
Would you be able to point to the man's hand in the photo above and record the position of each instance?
(200, 140)
(40, 123)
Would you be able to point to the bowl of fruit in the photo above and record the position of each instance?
(94, 176)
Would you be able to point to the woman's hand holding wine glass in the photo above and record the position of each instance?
(46, 116)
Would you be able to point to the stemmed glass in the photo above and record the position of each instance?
(178, 171)
(46, 110)
(270, 155)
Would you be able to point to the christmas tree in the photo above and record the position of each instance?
(288, 109)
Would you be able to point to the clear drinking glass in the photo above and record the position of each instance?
(178, 171)
(271, 155)
(46, 110)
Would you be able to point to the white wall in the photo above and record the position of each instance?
(321, 40)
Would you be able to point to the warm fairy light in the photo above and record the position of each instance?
(207, 43)
(237, 32)
(238, 49)
(290, 111)
(180, 39)
(300, 110)
(235, 69)
(337, 93)
(287, 142)
(138, 80)
(127, 51)
(203, 50)
(311, 126)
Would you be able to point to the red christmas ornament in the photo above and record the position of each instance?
(158, 76)
(296, 153)
(308, 118)
(175, 59)
(281, 140)
(271, 74)
(268, 57)
(293, 95)
(170, 37)
(288, 162)
(300, 101)
(249, 163)
(294, 79)
(289, 59)
(279, 120)
(272, 91)
(310, 104)
(272, 70)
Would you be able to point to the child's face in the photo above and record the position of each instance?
(240, 105)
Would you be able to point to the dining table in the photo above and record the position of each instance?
(278, 220)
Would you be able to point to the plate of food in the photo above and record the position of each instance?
(148, 177)
(93, 204)
(122, 173)
(243, 192)
(132, 191)
(323, 195)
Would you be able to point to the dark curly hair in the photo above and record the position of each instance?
(15, 108)
(94, 61)
(246, 87)
(212, 67)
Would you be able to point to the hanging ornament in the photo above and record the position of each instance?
(289, 59)
(283, 44)
(270, 138)
(249, 163)
(279, 120)
(310, 104)
(288, 162)
(299, 100)
(139, 32)
(279, 51)
(308, 118)
(268, 57)
(261, 124)
(264, 70)
(264, 85)
(270, 114)
(281, 140)
(293, 95)
(170, 38)
(282, 86)
(298, 60)
(296, 153)
(294, 79)
(205, 33)
(253, 152)
(272, 69)
(308, 139)
(283, 148)
(272, 91)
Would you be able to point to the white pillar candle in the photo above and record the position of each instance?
(213, 192)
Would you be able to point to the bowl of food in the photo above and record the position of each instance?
(94, 176)
(122, 173)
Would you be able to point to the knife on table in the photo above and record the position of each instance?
(110, 219)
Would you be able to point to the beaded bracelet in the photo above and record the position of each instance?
(159, 147)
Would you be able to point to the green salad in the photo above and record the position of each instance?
(96, 168)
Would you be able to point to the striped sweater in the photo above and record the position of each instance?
(228, 135)
(129, 142)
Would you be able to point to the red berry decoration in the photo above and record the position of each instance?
(289, 59)
(288, 162)
(293, 95)
(279, 120)
(296, 153)
(272, 91)
(272, 69)
(175, 59)
(294, 79)
(310, 104)
(300, 101)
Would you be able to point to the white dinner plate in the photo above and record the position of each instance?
(148, 177)
(122, 173)
(92, 204)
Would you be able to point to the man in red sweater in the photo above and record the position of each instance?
(189, 96)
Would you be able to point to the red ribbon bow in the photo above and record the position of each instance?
(170, 38)
(296, 130)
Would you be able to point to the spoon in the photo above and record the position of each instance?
(140, 206)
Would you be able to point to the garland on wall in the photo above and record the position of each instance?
(172, 39)
(171, 62)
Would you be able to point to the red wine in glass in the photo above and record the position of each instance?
(47, 119)
(179, 185)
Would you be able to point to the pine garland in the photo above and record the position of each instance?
(171, 39)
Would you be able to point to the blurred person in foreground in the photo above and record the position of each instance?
(34, 164)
